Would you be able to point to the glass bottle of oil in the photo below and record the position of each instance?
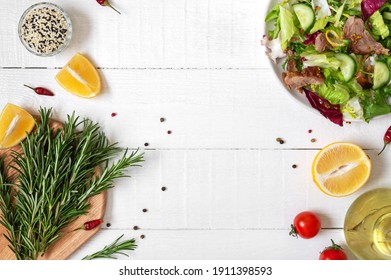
(368, 225)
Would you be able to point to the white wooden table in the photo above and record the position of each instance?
(231, 190)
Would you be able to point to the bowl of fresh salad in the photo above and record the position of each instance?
(333, 55)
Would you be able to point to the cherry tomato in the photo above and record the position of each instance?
(306, 225)
(333, 252)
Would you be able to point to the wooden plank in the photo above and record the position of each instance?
(205, 109)
(217, 244)
(150, 34)
(228, 189)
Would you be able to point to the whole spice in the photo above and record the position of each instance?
(107, 3)
(387, 140)
(41, 91)
(90, 225)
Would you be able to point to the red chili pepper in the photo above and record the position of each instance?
(41, 91)
(90, 225)
(387, 139)
(107, 3)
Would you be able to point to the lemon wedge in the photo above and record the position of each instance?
(80, 77)
(341, 169)
(334, 39)
(15, 124)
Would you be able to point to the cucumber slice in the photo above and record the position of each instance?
(381, 75)
(348, 66)
(305, 15)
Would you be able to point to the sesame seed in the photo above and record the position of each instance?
(45, 30)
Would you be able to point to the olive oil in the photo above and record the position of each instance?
(368, 225)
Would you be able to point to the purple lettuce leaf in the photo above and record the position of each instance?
(311, 38)
(328, 110)
(369, 7)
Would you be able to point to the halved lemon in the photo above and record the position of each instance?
(341, 169)
(80, 77)
(334, 39)
(15, 124)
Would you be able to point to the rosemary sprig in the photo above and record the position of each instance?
(109, 251)
(55, 177)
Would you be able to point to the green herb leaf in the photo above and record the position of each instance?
(56, 176)
(109, 251)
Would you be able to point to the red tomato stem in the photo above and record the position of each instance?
(293, 231)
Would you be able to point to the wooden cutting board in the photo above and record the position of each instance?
(69, 241)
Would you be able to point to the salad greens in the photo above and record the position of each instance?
(327, 54)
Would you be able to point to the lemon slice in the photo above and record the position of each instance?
(341, 169)
(334, 39)
(15, 124)
(80, 77)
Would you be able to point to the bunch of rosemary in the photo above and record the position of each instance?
(53, 180)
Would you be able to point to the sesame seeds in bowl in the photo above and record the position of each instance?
(45, 29)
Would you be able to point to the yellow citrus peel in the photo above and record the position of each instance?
(80, 77)
(15, 124)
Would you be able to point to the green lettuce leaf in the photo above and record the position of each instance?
(379, 28)
(320, 24)
(353, 109)
(335, 94)
(375, 104)
(323, 60)
(288, 27)
(354, 4)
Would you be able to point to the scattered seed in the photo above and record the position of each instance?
(146, 144)
(313, 140)
(145, 210)
(113, 114)
(349, 122)
(164, 189)
(108, 225)
(135, 227)
(294, 166)
(280, 140)
(310, 131)
(169, 132)
(162, 119)
(142, 236)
